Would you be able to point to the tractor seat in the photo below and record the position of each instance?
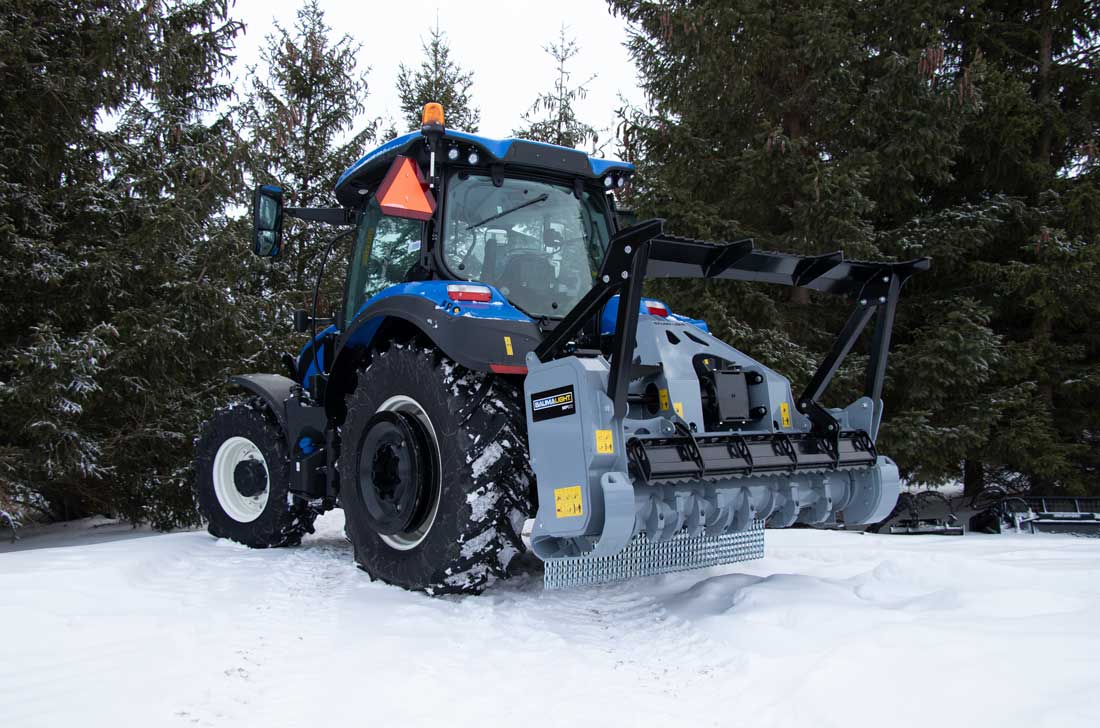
(527, 277)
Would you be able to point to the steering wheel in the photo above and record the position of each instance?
(559, 244)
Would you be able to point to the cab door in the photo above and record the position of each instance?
(386, 250)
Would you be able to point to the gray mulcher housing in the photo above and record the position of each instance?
(672, 455)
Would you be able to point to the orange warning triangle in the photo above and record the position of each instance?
(404, 192)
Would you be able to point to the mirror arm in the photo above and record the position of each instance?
(329, 215)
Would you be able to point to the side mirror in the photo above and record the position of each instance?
(267, 221)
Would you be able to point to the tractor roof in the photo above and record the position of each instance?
(370, 169)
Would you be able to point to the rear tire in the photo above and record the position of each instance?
(242, 479)
(465, 534)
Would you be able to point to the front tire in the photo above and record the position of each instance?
(434, 473)
(242, 479)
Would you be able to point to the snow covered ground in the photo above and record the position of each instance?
(830, 629)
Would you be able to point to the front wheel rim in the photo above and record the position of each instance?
(241, 508)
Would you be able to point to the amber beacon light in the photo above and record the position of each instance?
(432, 116)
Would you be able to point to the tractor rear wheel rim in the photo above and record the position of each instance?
(394, 473)
(417, 532)
(237, 480)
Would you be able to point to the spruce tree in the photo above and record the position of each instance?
(122, 312)
(302, 120)
(897, 131)
(1035, 143)
(824, 127)
(438, 79)
(552, 118)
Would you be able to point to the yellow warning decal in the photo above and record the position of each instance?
(508, 345)
(679, 407)
(605, 444)
(567, 501)
(785, 414)
(664, 399)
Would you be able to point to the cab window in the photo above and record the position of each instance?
(385, 249)
(537, 242)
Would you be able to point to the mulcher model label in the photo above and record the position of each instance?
(552, 403)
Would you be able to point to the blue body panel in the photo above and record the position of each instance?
(497, 149)
(498, 308)
(611, 314)
(398, 143)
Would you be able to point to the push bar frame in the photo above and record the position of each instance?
(644, 250)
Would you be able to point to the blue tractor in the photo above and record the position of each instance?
(496, 382)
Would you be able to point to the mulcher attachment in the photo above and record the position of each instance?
(671, 451)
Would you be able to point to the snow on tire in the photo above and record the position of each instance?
(242, 479)
(467, 533)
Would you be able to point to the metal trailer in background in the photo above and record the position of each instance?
(926, 512)
(1003, 512)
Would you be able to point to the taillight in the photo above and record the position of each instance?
(507, 369)
(655, 308)
(480, 294)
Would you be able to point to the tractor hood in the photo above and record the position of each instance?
(458, 148)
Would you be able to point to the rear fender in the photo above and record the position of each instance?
(492, 336)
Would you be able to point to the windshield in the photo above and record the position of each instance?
(535, 241)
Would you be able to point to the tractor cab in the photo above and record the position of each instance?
(534, 240)
(530, 220)
(537, 241)
(508, 230)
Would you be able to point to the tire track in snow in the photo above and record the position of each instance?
(321, 611)
(625, 636)
(287, 620)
